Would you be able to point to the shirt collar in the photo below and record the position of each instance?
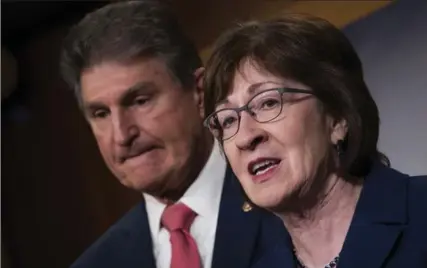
(204, 195)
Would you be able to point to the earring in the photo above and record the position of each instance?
(339, 148)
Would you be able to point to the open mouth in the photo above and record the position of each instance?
(262, 166)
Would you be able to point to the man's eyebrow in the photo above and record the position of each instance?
(127, 96)
(139, 88)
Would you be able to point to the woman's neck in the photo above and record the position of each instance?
(318, 233)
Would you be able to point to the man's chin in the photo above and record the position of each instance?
(143, 186)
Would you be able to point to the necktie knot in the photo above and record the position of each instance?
(178, 216)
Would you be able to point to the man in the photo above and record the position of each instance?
(138, 80)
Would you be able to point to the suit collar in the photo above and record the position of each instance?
(377, 224)
(278, 256)
(383, 197)
(237, 230)
(379, 219)
(133, 240)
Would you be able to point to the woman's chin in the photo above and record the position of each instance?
(270, 195)
(268, 200)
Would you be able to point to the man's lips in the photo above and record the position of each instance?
(124, 157)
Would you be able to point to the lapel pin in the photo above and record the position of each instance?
(246, 207)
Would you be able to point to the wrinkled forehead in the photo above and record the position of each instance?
(247, 80)
(246, 77)
(250, 77)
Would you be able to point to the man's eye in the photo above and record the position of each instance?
(100, 113)
(141, 100)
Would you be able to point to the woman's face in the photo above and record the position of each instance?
(280, 158)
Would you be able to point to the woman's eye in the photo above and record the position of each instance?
(269, 103)
(227, 122)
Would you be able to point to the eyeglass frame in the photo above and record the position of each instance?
(245, 107)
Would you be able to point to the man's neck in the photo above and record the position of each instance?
(196, 163)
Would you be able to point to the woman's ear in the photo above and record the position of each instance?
(339, 130)
(199, 74)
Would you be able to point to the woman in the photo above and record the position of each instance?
(287, 100)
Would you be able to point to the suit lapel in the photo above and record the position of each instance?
(369, 246)
(378, 222)
(134, 240)
(236, 230)
(279, 256)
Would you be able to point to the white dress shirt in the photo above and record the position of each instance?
(203, 197)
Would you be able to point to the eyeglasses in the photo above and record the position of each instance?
(263, 107)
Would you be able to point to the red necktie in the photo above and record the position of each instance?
(177, 219)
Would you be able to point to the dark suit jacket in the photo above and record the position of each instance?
(388, 230)
(241, 237)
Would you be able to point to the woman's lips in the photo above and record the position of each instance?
(263, 169)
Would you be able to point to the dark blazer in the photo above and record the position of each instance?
(388, 230)
(241, 237)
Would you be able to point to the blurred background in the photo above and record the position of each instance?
(57, 196)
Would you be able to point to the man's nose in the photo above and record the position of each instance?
(125, 129)
(250, 134)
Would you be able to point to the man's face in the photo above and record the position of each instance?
(147, 126)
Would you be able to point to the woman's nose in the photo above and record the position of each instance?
(250, 133)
